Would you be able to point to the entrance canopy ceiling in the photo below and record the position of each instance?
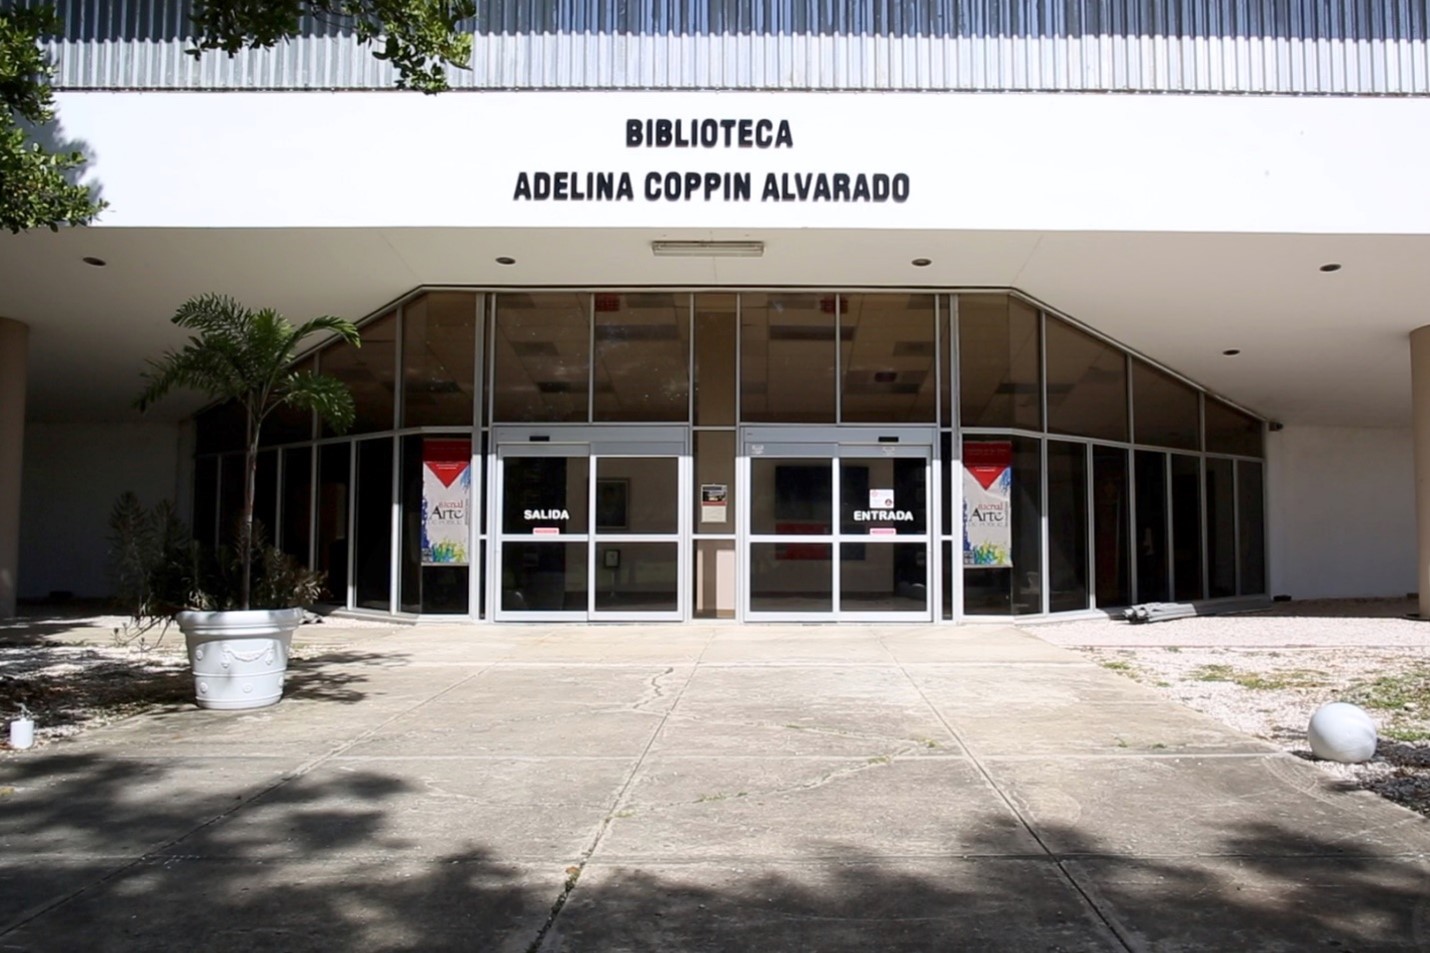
(1316, 347)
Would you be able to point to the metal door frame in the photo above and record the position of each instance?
(833, 443)
(593, 442)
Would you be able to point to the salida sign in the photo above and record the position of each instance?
(688, 185)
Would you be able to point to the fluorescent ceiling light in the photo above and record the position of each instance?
(707, 249)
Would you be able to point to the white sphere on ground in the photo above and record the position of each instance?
(1340, 731)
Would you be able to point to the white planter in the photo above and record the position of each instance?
(239, 658)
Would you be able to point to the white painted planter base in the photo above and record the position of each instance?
(239, 659)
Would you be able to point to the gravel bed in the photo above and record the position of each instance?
(78, 670)
(1266, 673)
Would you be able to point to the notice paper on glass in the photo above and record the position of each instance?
(714, 497)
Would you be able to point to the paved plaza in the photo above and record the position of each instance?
(703, 788)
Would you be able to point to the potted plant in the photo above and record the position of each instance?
(238, 646)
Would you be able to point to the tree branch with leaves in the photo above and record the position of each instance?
(37, 186)
(422, 39)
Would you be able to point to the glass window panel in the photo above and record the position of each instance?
(883, 577)
(288, 424)
(642, 364)
(230, 499)
(1087, 384)
(791, 497)
(1231, 431)
(714, 579)
(543, 576)
(876, 493)
(1164, 410)
(1150, 469)
(714, 471)
(642, 577)
(545, 493)
(219, 428)
(887, 358)
(1112, 562)
(372, 525)
(370, 373)
(1221, 528)
(999, 364)
(432, 582)
(1250, 519)
(265, 495)
(1067, 526)
(297, 529)
(205, 499)
(542, 345)
(1186, 527)
(439, 339)
(791, 577)
(637, 495)
(1015, 589)
(787, 357)
(715, 335)
(334, 484)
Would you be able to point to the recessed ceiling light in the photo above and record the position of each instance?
(505, 260)
(96, 262)
(1331, 266)
(921, 262)
(1232, 351)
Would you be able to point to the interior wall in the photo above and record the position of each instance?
(73, 473)
(1342, 512)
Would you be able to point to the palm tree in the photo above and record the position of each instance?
(244, 356)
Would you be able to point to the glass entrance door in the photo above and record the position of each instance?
(837, 527)
(591, 524)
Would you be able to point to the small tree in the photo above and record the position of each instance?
(244, 356)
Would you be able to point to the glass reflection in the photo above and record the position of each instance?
(542, 345)
(642, 357)
(791, 577)
(883, 577)
(545, 495)
(787, 357)
(637, 577)
(887, 358)
(883, 496)
(1231, 431)
(439, 338)
(1250, 515)
(1087, 384)
(1166, 411)
(369, 372)
(1067, 526)
(543, 576)
(791, 497)
(1150, 472)
(998, 362)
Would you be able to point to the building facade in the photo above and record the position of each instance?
(763, 311)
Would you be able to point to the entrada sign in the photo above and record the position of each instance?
(710, 186)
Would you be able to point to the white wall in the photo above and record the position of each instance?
(72, 475)
(1342, 514)
(1017, 161)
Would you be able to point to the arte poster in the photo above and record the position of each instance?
(987, 504)
(446, 492)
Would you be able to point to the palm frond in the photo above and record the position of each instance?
(324, 394)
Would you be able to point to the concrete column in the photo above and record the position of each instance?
(1420, 423)
(14, 341)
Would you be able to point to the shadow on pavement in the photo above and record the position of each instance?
(316, 864)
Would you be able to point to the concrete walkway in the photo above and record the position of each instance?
(697, 788)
